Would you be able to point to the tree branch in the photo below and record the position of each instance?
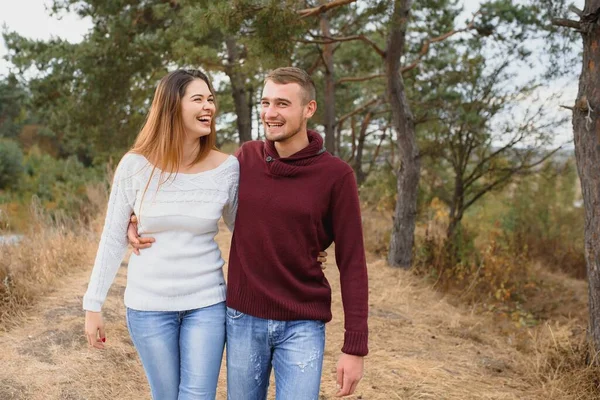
(427, 42)
(377, 150)
(360, 78)
(309, 12)
(475, 174)
(314, 66)
(486, 189)
(568, 23)
(510, 173)
(540, 161)
(576, 10)
(356, 111)
(422, 53)
(329, 40)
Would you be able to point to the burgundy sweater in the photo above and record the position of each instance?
(289, 210)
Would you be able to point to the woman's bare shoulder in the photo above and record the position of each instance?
(218, 156)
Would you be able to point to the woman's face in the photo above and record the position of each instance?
(197, 109)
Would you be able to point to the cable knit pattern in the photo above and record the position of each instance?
(183, 268)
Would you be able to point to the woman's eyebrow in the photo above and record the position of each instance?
(200, 95)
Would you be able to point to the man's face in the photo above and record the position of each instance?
(283, 112)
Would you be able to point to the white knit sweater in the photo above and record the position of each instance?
(183, 268)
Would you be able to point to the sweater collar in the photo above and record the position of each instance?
(290, 165)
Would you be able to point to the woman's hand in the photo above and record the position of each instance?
(94, 329)
(322, 259)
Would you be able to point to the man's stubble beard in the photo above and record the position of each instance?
(288, 136)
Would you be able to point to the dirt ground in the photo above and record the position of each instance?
(421, 347)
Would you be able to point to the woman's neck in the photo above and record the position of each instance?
(191, 149)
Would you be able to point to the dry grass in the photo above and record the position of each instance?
(48, 251)
(557, 358)
(421, 345)
(558, 363)
(377, 226)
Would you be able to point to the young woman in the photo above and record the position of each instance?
(179, 186)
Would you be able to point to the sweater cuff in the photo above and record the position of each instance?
(91, 305)
(356, 343)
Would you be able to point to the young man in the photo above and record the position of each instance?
(295, 199)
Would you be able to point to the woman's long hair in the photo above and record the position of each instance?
(162, 137)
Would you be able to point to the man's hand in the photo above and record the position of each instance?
(135, 240)
(349, 373)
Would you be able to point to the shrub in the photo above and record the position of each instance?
(490, 272)
(379, 190)
(11, 164)
(60, 184)
(545, 219)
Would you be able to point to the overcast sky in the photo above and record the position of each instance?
(31, 18)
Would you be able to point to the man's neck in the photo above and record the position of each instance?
(293, 145)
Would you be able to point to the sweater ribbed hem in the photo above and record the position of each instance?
(277, 309)
(143, 301)
(356, 343)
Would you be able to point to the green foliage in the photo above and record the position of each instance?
(11, 164)
(474, 132)
(545, 217)
(12, 107)
(94, 94)
(476, 265)
(379, 190)
(538, 218)
(59, 184)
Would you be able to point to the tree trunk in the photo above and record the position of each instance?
(338, 138)
(257, 96)
(456, 208)
(403, 229)
(586, 130)
(251, 106)
(238, 91)
(353, 139)
(453, 244)
(329, 115)
(360, 147)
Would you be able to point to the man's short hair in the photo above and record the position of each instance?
(285, 75)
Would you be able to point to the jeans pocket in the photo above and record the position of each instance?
(233, 313)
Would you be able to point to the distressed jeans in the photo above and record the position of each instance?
(181, 351)
(293, 349)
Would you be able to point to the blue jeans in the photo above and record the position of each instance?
(181, 351)
(294, 349)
